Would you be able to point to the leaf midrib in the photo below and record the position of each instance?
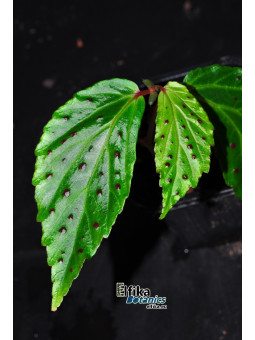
(178, 150)
(89, 182)
(183, 115)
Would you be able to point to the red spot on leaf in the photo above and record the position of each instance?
(82, 166)
(117, 154)
(66, 193)
(62, 230)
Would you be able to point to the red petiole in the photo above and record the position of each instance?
(152, 89)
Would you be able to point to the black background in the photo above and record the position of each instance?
(202, 284)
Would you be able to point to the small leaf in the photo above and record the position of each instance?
(152, 98)
(83, 171)
(148, 83)
(183, 140)
(220, 87)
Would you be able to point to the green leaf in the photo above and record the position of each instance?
(148, 83)
(152, 98)
(183, 138)
(83, 172)
(220, 87)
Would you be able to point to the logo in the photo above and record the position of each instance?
(137, 295)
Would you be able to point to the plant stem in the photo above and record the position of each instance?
(152, 89)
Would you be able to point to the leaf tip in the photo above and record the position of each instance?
(161, 217)
(163, 213)
(56, 302)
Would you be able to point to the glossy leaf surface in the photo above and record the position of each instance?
(83, 173)
(220, 87)
(183, 140)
